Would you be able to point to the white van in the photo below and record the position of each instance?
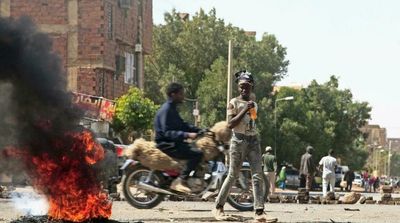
(339, 174)
(357, 179)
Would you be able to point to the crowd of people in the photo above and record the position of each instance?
(327, 166)
(370, 182)
(307, 170)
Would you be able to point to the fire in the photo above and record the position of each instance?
(69, 181)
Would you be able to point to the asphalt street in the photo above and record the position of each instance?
(196, 212)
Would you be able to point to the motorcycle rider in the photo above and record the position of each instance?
(171, 131)
(244, 144)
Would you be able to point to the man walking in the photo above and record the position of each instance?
(242, 113)
(307, 168)
(349, 178)
(270, 165)
(328, 164)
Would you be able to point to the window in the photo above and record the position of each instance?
(129, 69)
(125, 4)
(109, 21)
(120, 67)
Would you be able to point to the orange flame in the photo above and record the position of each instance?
(70, 182)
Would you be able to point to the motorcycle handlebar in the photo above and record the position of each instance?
(202, 132)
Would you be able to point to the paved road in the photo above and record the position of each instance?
(200, 212)
(197, 212)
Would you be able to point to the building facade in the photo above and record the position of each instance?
(375, 136)
(393, 144)
(102, 43)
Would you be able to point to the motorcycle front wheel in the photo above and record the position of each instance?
(241, 194)
(137, 197)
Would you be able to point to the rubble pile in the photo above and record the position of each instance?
(5, 192)
(303, 196)
(331, 199)
(315, 199)
(350, 198)
(396, 200)
(387, 189)
(369, 200)
(287, 199)
(274, 198)
(387, 195)
(362, 199)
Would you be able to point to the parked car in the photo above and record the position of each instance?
(358, 179)
(292, 177)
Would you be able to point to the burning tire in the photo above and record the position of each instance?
(137, 197)
(241, 194)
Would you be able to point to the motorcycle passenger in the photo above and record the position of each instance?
(171, 131)
(244, 144)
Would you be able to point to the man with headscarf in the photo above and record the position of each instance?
(244, 144)
(307, 168)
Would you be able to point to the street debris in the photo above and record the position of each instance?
(351, 209)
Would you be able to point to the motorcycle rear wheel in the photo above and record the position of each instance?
(241, 194)
(139, 198)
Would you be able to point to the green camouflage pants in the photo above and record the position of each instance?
(242, 147)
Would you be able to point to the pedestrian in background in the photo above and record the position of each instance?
(307, 168)
(365, 177)
(328, 164)
(242, 114)
(349, 178)
(377, 184)
(270, 165)
(282, 178)
(371, 183)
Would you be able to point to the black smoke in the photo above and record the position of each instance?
(35, 104)
(39, 125)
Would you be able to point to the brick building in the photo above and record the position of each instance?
(102, 43)
(393, 144)
(376, 136)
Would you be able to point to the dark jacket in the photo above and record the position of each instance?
(349, 176)
(169, 125)
(307, 166)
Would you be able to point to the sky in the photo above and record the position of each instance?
(358, 41)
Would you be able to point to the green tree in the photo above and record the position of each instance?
(213, 98)
(325, 117)
(134, 112)
(194, 53)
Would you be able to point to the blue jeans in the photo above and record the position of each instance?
(282, 184)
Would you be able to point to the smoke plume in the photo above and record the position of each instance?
(39, 130)
(33, 85)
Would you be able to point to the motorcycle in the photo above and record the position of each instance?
(145, 187)
(111, 173)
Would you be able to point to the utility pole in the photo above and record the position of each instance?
(389, 155)
(229, 85)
